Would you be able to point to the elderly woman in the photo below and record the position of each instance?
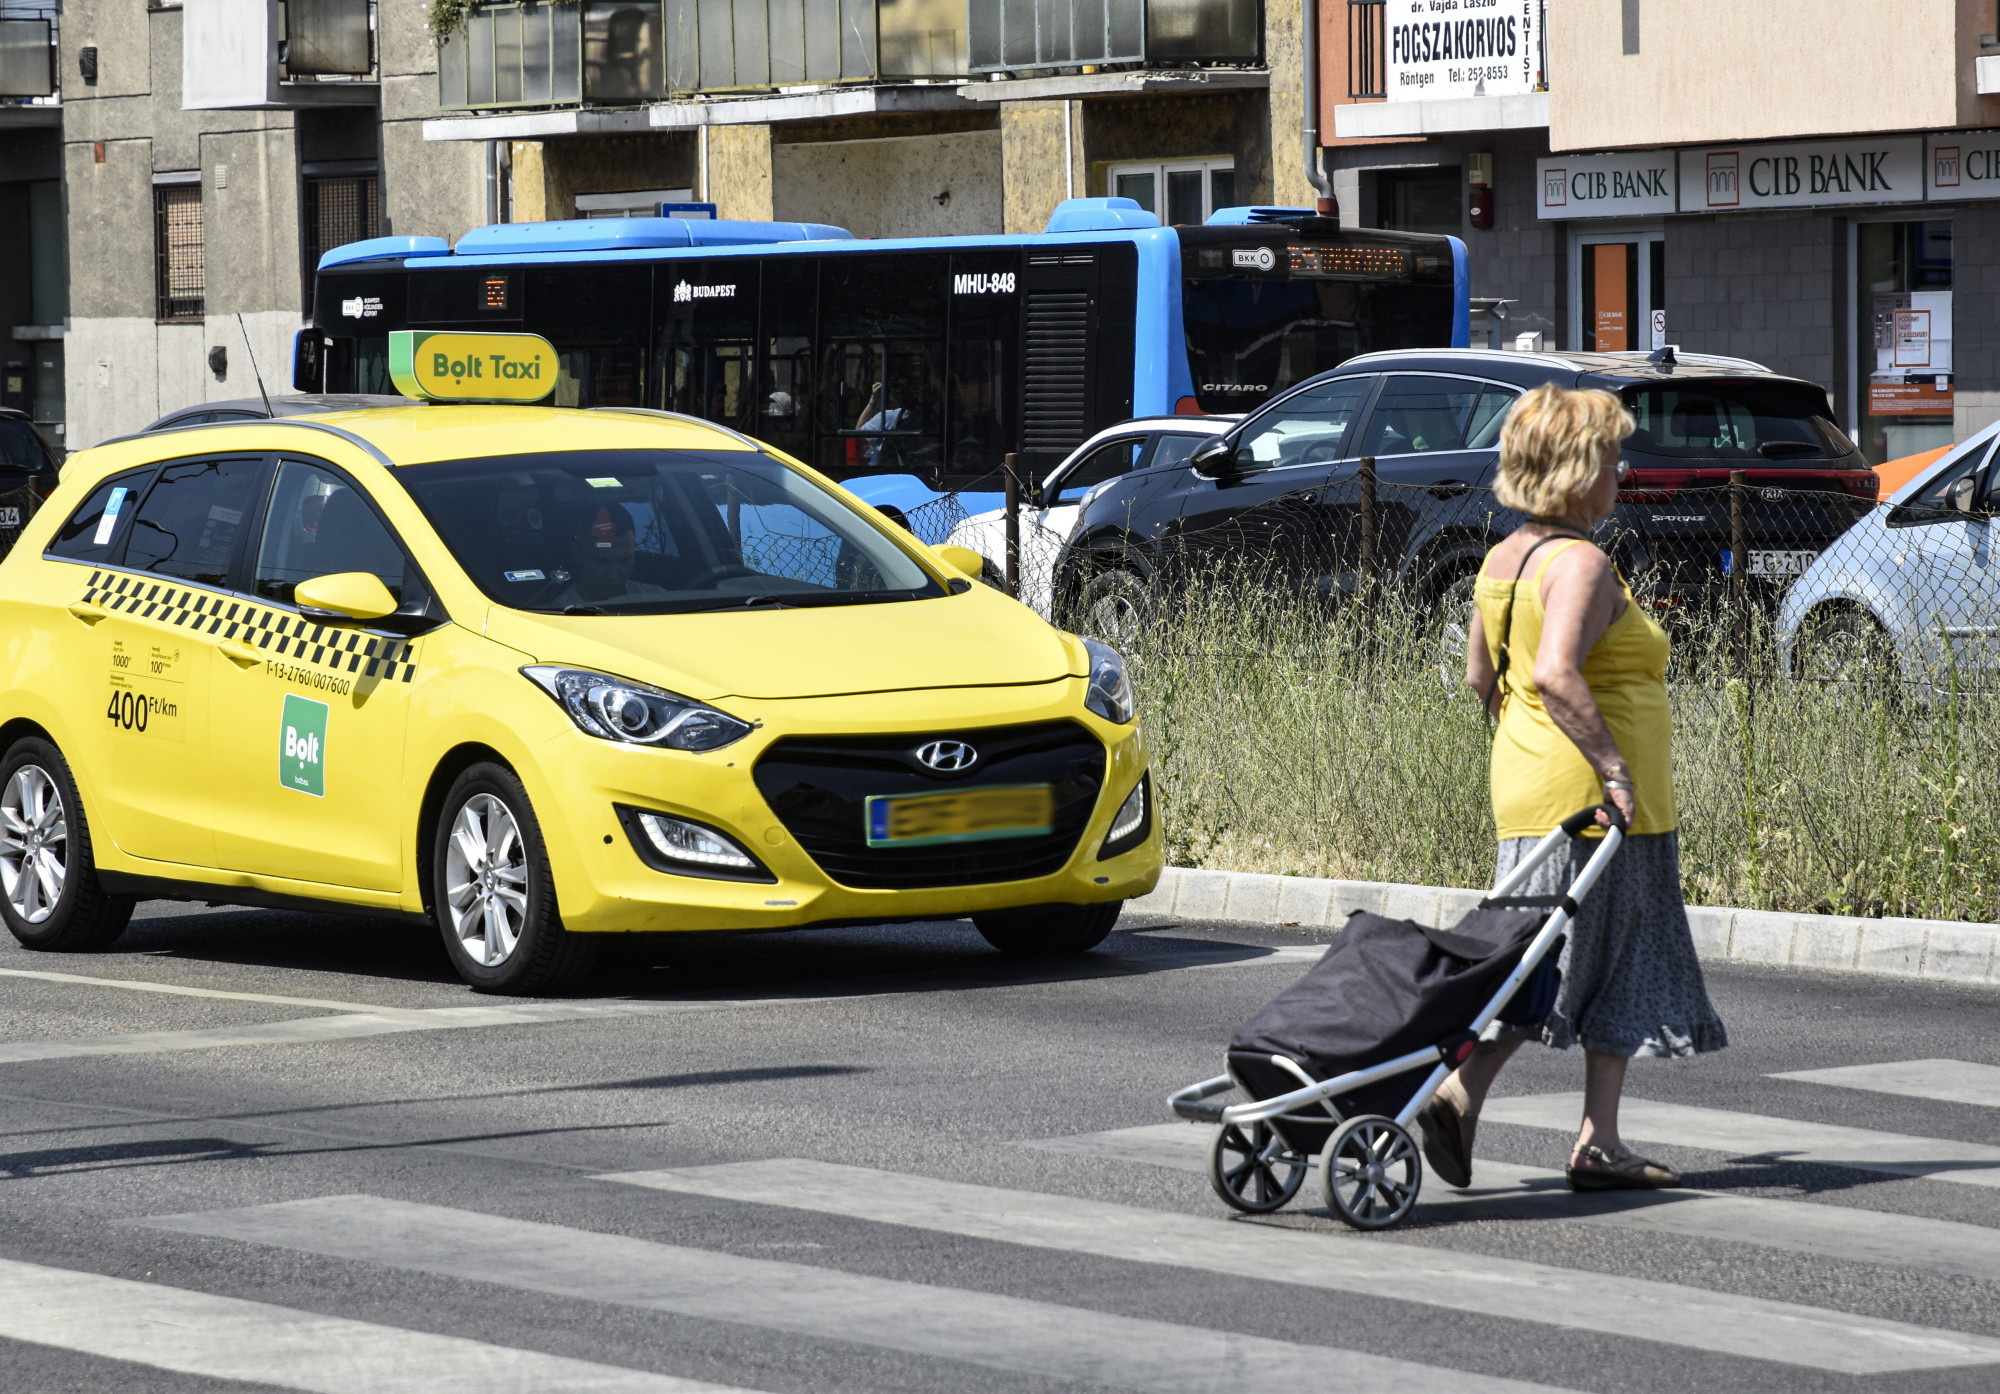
(1581, 699)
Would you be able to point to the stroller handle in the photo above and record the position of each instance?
(1583, 819)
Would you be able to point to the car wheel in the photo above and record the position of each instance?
(1844, 646)
(1452, 627)
(1048, 931)
(1114, 607)
(494, 895)
(50, 895)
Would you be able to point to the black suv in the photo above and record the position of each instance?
(1285, 487)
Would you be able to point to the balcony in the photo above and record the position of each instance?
(624, 51)
(277, 54)
(1414, 77)
(28, 66)
(1014, 35)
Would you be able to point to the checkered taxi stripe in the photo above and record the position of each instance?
(277, 632)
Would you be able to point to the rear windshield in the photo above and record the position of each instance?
(1770, 422)
(657, 532)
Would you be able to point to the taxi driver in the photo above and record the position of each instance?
(601, 549)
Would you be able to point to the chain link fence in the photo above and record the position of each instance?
(1835, 678)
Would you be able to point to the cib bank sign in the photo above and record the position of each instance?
(1738, 178)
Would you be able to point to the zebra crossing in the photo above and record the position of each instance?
(935, 1317)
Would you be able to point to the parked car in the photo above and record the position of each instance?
(26, 457)
(253, 408)
(1283, 487)
(1050, 507)
(1913, 590)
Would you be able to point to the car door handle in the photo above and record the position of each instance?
(236, 651)
(89, 611)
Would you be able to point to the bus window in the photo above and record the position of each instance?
(985, 335)
(785, 335)
(587, 313)
(882, 331)
(707, 316)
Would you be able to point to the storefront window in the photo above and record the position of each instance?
(1903, 274)
(1621, 293)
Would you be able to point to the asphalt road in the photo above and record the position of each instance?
(249, 1151)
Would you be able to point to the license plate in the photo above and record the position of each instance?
(10, 517)
(963, 815)
(1774, 562)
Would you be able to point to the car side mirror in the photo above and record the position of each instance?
(963, 559)
(1213, 457)
(1960, 496)
(344, 597)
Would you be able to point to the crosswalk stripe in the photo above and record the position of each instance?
(1759, 1135)
(198, 1333)
(980, 1328)
(1635, 1308)
(1831, 1231)
(355, 1025)
(1949, 1081)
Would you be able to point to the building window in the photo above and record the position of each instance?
(639, 203)
(1421, 200)
(1177, 191)
(1903, 331)
(177, 251)
(339, 209)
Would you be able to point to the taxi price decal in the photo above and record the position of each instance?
(326, 648)
(146, 690)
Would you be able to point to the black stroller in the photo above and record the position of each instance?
(1321, 1064)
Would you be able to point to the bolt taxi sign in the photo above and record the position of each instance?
(302, 750)
(472, 367)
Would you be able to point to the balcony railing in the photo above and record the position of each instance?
(532, 53)
(1017, 35)
(27, 52)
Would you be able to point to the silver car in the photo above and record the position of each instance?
(1913, 589)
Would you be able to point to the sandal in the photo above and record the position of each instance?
(1593, 1168)
(1448, 1140)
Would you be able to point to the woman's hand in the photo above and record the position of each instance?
(1620, 798)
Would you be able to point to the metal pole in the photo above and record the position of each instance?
(1315, 175)
(1013, 514)
(1739, 568)
(1367, 477)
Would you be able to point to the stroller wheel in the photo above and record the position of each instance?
(1254, 1169)
(1371, 1172)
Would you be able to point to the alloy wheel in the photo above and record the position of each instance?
(486, 880)
(34, 843)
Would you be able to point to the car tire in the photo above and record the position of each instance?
(45, 839)
(1048, 931)
(1844, 646)
(494, 895)
(1114, 606)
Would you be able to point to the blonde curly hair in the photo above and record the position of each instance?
(1554, 440)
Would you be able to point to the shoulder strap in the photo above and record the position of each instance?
(1549, 560)
(1504, 654)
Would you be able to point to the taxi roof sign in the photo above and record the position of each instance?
(472, 367)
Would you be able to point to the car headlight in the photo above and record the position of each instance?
(1110, 694)
(615, 709)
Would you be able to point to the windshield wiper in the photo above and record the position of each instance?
(585, 610)
(812, 600)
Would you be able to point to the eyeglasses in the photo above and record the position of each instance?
(1621, 470)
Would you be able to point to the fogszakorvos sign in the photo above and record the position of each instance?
(1461, 48)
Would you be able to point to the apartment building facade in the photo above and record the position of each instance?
(33, 263)
(1812, 184)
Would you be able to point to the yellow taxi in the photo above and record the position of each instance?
(537, 675)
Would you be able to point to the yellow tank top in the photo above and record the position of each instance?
(1539, 776)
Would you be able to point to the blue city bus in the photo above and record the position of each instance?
(908, 368)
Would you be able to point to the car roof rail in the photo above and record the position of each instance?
(305, 423)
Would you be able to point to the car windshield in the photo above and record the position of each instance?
(657, 532)
(20, 448)
(1734, 419)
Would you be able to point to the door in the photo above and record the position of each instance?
(1958, 599)
(310, 718)
(1270, 509)
(1435, 442)
(1620, 289)
(145, 669)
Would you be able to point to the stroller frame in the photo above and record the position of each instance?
(1377, 1145)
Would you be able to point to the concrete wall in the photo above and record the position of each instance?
(429, 188)
(1766, 288)
(737, 173)
(1282, 177)
(548, 175)
(1235, 123)
(1033, 174)
(1712, 70)
(907, 186)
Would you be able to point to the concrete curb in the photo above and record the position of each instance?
(1940, 950)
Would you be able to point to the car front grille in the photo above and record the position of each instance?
(819, 785)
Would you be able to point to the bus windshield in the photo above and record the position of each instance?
(644, 532)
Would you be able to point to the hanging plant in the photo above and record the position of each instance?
(447, 17)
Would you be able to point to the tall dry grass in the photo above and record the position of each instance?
(1292, 736)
